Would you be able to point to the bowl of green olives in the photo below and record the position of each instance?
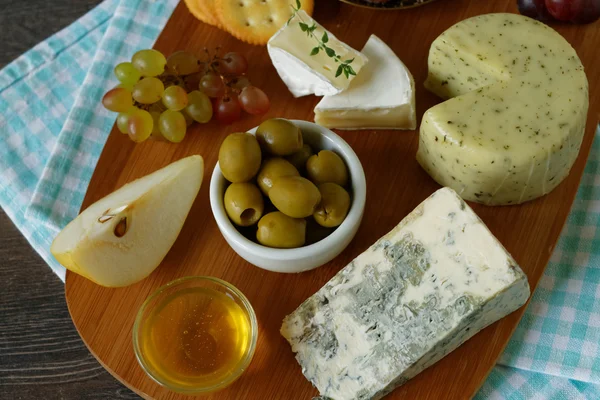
(288, 195)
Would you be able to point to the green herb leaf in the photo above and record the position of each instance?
(343, 67)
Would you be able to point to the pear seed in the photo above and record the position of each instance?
(121, 227)
(103, 218)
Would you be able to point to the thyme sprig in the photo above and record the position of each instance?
(344, 67)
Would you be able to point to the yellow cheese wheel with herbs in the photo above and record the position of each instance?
(515, 118)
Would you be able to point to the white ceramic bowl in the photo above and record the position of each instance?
(307, 257)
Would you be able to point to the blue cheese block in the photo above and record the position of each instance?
(418, 293)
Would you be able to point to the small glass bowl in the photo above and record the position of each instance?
(157, 298)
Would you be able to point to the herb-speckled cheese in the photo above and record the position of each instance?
(514, 124)
(422, 290)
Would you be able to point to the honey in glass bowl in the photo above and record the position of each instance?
(195, 335)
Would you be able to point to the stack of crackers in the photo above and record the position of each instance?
(252, 21)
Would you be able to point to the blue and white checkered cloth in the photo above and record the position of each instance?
(53, 129)
(52, 123)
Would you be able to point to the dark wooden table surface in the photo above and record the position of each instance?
(41, 354)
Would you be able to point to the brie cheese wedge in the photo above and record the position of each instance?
(381, 97)
(290, 50)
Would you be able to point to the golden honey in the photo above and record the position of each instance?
(195, 338)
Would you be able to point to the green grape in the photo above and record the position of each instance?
(172, 126)
(149, 62)
(140, 125)
(117, 100)
(123, 122)
(199, 107)
(148, 90)
(127, 74)
(183, 63)
(188, 118)
(175, 98)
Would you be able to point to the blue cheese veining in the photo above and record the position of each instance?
(418, 293)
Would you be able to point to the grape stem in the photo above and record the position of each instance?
(170, 80)
(344, 67)
(213, 63)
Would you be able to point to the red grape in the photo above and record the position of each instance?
(254, 101)
(587, 11)
(560, 9)
(227, 110)
(534, 9)
(233, 64)
(239, 82)
(577, 11)
(212, 85)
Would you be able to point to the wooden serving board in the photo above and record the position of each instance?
(396, 184)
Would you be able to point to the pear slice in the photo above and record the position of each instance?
(122, 238)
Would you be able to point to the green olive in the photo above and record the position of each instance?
(239, 157)
(334, 206)
(244, 203)
(327, 167)
(279, 137)
(272, 169)
(295, 196)
(299, 158)
(278, 230)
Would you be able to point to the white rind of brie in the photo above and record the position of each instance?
(290, 51)
(381, 97)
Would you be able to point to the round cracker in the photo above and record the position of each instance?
(204, 10)
(255, 21)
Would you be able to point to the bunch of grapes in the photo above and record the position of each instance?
(160, 97)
